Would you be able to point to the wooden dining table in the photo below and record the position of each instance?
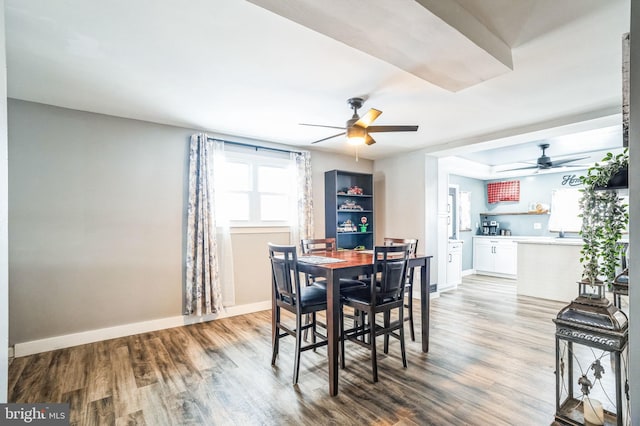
(348, 264)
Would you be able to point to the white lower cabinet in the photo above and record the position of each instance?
(454, 264)
(495, 256)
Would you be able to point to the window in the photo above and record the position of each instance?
(565, 208)
(258, 189)
(465, 211)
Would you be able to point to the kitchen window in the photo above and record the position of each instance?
(565, 210)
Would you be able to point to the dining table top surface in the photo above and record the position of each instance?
(348, 258)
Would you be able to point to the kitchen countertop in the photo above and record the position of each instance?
(535, 240)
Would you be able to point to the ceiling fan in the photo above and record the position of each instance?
(358, 128)
(544, 161)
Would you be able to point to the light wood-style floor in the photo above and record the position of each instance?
(491, 361)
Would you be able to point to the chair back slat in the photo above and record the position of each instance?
(284, 266)
(413, 249)
(316, 245)
(412, 242)
(391, 262)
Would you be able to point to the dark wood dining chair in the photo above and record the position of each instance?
(317, 246)
(391, 264)
(408, 286)
(300, 300)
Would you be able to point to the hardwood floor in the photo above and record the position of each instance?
(491, 361)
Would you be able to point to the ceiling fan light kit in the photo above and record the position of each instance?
(356, 135)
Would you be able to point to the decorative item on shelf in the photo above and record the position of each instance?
(613, 174)
(542, 208)
(591, 332)
(538, 208)
(350, 205)
(363, 224)
(355, 190)
(347, 226)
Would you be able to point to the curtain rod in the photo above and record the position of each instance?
(256, 147)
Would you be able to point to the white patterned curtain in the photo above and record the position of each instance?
(304, 205)
(209, 260)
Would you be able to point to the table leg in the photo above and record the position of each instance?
(333, 328)
(425, 296)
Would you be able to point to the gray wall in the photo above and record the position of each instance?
(536, 188)
(533, 189)
(4, 286)
(97, 218)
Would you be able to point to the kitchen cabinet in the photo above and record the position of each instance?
(454, 265)
(495, 256)
(348, 198)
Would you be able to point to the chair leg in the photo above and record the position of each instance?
(275, 339)
(387, 321)
(402, 348)
(372, 342)
(410, 315)
(362, 325)
(342, 337)
(306, 322)
(296, 364)
(313, 329)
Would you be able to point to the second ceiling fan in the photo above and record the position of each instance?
(358, 129)
(544, 161)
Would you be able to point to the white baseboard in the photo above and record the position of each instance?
(11, 353)
(90, 336)
(468, 272)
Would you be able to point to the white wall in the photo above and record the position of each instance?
(404, 203)
(634, 237)
(4, 286)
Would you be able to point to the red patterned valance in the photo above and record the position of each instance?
(503, 191)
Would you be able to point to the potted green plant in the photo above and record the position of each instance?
(604, 218)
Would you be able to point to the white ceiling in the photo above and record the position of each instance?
(231, 67)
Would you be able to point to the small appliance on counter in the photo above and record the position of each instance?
(493, 227)
(485, 227)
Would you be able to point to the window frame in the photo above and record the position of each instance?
(256, 160)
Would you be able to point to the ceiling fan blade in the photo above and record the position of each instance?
(392, 128)
(368, 140)
(568, 160)
(582, 166)
(518, 168)
(329, 137)
(368, 118)
(321, 125)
